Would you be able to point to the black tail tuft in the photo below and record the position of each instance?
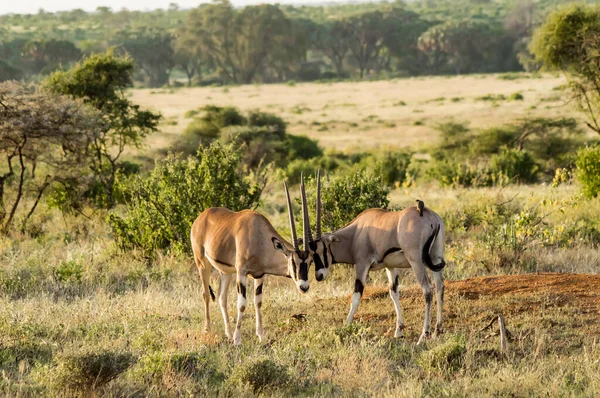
(427, 257)
(212, 293)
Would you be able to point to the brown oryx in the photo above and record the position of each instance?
(377, 239)
(245, 243)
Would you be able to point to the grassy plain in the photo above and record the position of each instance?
(78, 317)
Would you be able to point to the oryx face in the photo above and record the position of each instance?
(299, 261)
(322, 255)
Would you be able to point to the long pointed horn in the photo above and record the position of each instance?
(291, 214)
(318, 232)
(305, 220)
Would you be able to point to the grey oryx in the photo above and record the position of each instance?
(245, 243)
(377, 239)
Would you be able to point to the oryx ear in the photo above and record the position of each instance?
(332, 238)
(280, 247)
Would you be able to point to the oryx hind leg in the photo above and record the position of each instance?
(204, 269)
(392, 275)
(241, 306)
(258, 286)
(359, 286)
(223, 289)
(438, 278)
(423, 280)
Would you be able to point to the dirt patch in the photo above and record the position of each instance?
(550, 301)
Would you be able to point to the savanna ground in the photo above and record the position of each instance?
(78, 316)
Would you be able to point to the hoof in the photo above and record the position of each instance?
(438, 332)
(399, 332)
(237, 339)
(423, 338)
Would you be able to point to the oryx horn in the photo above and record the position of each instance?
(305, 220)
(291, 214)
(318, 232)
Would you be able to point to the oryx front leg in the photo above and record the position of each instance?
(359, 287)
(206, 294)
(223, 288)
(393, 278)
(241, 304)
(423, 280)
(438, 278)
(258, 285)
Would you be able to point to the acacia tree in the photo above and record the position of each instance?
(44, 139)
(100, 81)
(366, 39)
(333, 41)
(569, 41)
(153, 54)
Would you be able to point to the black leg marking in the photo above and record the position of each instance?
(394, 285)
(242, 290)
(390, 251)
(358, 287)
(258, 290)
(428, 297)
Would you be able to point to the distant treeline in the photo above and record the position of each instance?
(219, 44)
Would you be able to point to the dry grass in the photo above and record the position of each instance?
(370, 114)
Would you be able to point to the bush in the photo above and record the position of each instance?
(213, 119)
(515, 97)
(588, 170)
(260, 145)
(459, 174)
(268, 120)
(390, 166)
(345, 196)
(302, 147)
(88, 371)
(162, 207)
(446, 358)
(514, 164)
(260, 375)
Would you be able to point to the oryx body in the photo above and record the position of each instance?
(245, 243)
(377, 239)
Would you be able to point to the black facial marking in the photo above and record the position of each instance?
(394, 287)
(293, 267)
(303, 271)
(325, 262)
(358, 287)
(390, 251)
(258, 291)
(242, 289)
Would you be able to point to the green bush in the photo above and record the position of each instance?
(515, 97)
(345, 196)
(260, 375)
(391, 166)
(264, 119)
(161, 208)
(515, 164)
(260, 145)
(88, 371)
(459, 174)
(588, 170)
(302, 147)
(446, 358)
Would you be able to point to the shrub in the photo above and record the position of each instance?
(260, 145)
(268, 120)
(446, 358)
(161, 208)
(345, 196)
(213, 119)
(390, 166)
(515, 164)
(515, 97)
(302, 147)
(69, 271)
(88, 371)
(463, 174)
(588, 170)
(260, 375)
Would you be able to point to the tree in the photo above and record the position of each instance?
(187, 58)
(520, 24)
(569, 41)
(44, 139)
(366, 39)
(100, 81)
(44, 57)
(153, 53)
(333, 41)
(403, 29)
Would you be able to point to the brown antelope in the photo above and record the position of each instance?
(377, 239)
(245, 243)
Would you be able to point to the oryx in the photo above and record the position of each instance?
(245, 243)
(376, 239)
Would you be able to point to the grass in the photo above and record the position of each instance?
(392, 101)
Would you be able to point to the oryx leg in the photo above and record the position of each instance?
(425, 283)
(258, 285)
(241, 304)
(204, 268)
(438, 278)
(392, 275)
(359, 286)
(223, 289)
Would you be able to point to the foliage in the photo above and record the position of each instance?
(44, 139)
(515, 164)
(445, 358)
(568, 41)
(260, 375)
(153, 53)
(88, 371)
(162, 207)
(588, 170)
(346, 196)
(100, 81)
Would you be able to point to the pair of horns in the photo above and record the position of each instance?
(305, 219)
